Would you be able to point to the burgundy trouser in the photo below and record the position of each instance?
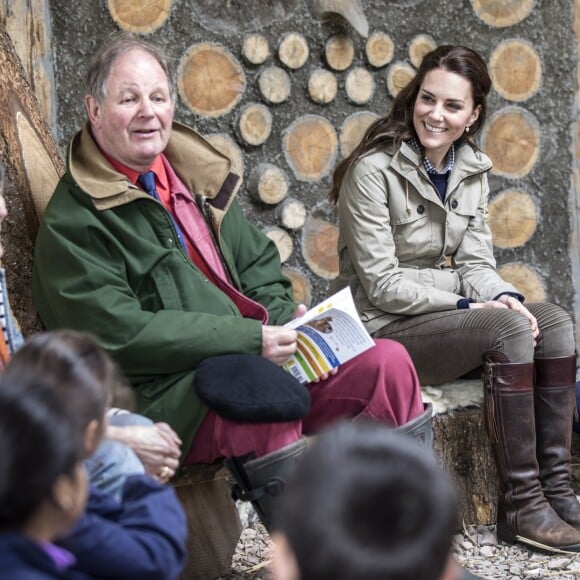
(381, 383)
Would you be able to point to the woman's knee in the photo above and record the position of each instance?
(556, 330)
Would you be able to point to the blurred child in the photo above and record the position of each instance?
(143, 535)
(43, 486)
(366, 502)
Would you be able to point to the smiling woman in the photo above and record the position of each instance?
(415, 248)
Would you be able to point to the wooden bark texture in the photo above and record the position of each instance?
(142, 17)
(462, 444)
(525, 280)
(516, 70)
(25, 138)
(27, 23)
(213, 523)
(210, 79)
(310, 147)
(379, 49)
(512, 139)
(512, 218)
(501, 13)
(339, 52)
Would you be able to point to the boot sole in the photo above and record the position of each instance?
(511, 538)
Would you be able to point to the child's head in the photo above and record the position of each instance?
(43, 485)
(365, 502)
(79, 371)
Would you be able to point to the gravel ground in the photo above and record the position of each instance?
(476, 548)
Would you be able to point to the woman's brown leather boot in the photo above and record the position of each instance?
(555, 404)
(524, 515)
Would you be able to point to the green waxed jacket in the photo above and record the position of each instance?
(107, 261)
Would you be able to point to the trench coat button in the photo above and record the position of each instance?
(169, 243)
(420, 209)
(454, 204)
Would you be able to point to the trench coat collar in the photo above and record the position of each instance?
(409, 164)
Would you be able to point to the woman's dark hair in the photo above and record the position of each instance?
(74, 365)
(397, 126)
(368, 502)
(38, 443)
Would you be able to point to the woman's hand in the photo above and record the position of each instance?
(514, 304)
(507, 301)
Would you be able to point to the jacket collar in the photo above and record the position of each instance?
(202, 169)
(409, 163)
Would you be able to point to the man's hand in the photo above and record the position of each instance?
(157, 446)
(278, 343)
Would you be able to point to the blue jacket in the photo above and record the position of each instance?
(23, 559)
(141, 538)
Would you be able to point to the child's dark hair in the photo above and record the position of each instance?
(74, 365)
(367, 502)
(38, 443)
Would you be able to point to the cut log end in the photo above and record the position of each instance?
(379, 49)
(399, 75)
(255, 49)
(301, 286)
(254, 124)
(282, 241)
(141, 17)
(512, 140)
(516, 70)
(319, 241)
(291, 214)
(525, 280)
(353, 130)
(512, 218)
(360, 86)
(339, 52)
(275, 85)
(310, 145)
(499, 13)
(322, 86)
(210, 79)
(419, 47)
(268, 184)
(293, 50)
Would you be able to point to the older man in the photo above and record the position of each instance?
(144, 244)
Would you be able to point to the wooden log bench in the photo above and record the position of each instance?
(213, 522)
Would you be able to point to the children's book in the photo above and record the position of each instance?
(328, 335)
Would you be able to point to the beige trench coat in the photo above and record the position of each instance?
(402, 250)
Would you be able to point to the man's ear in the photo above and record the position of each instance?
(93, 110)
(92, 436)
(284, 565)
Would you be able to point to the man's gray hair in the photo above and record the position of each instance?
(103, 61)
